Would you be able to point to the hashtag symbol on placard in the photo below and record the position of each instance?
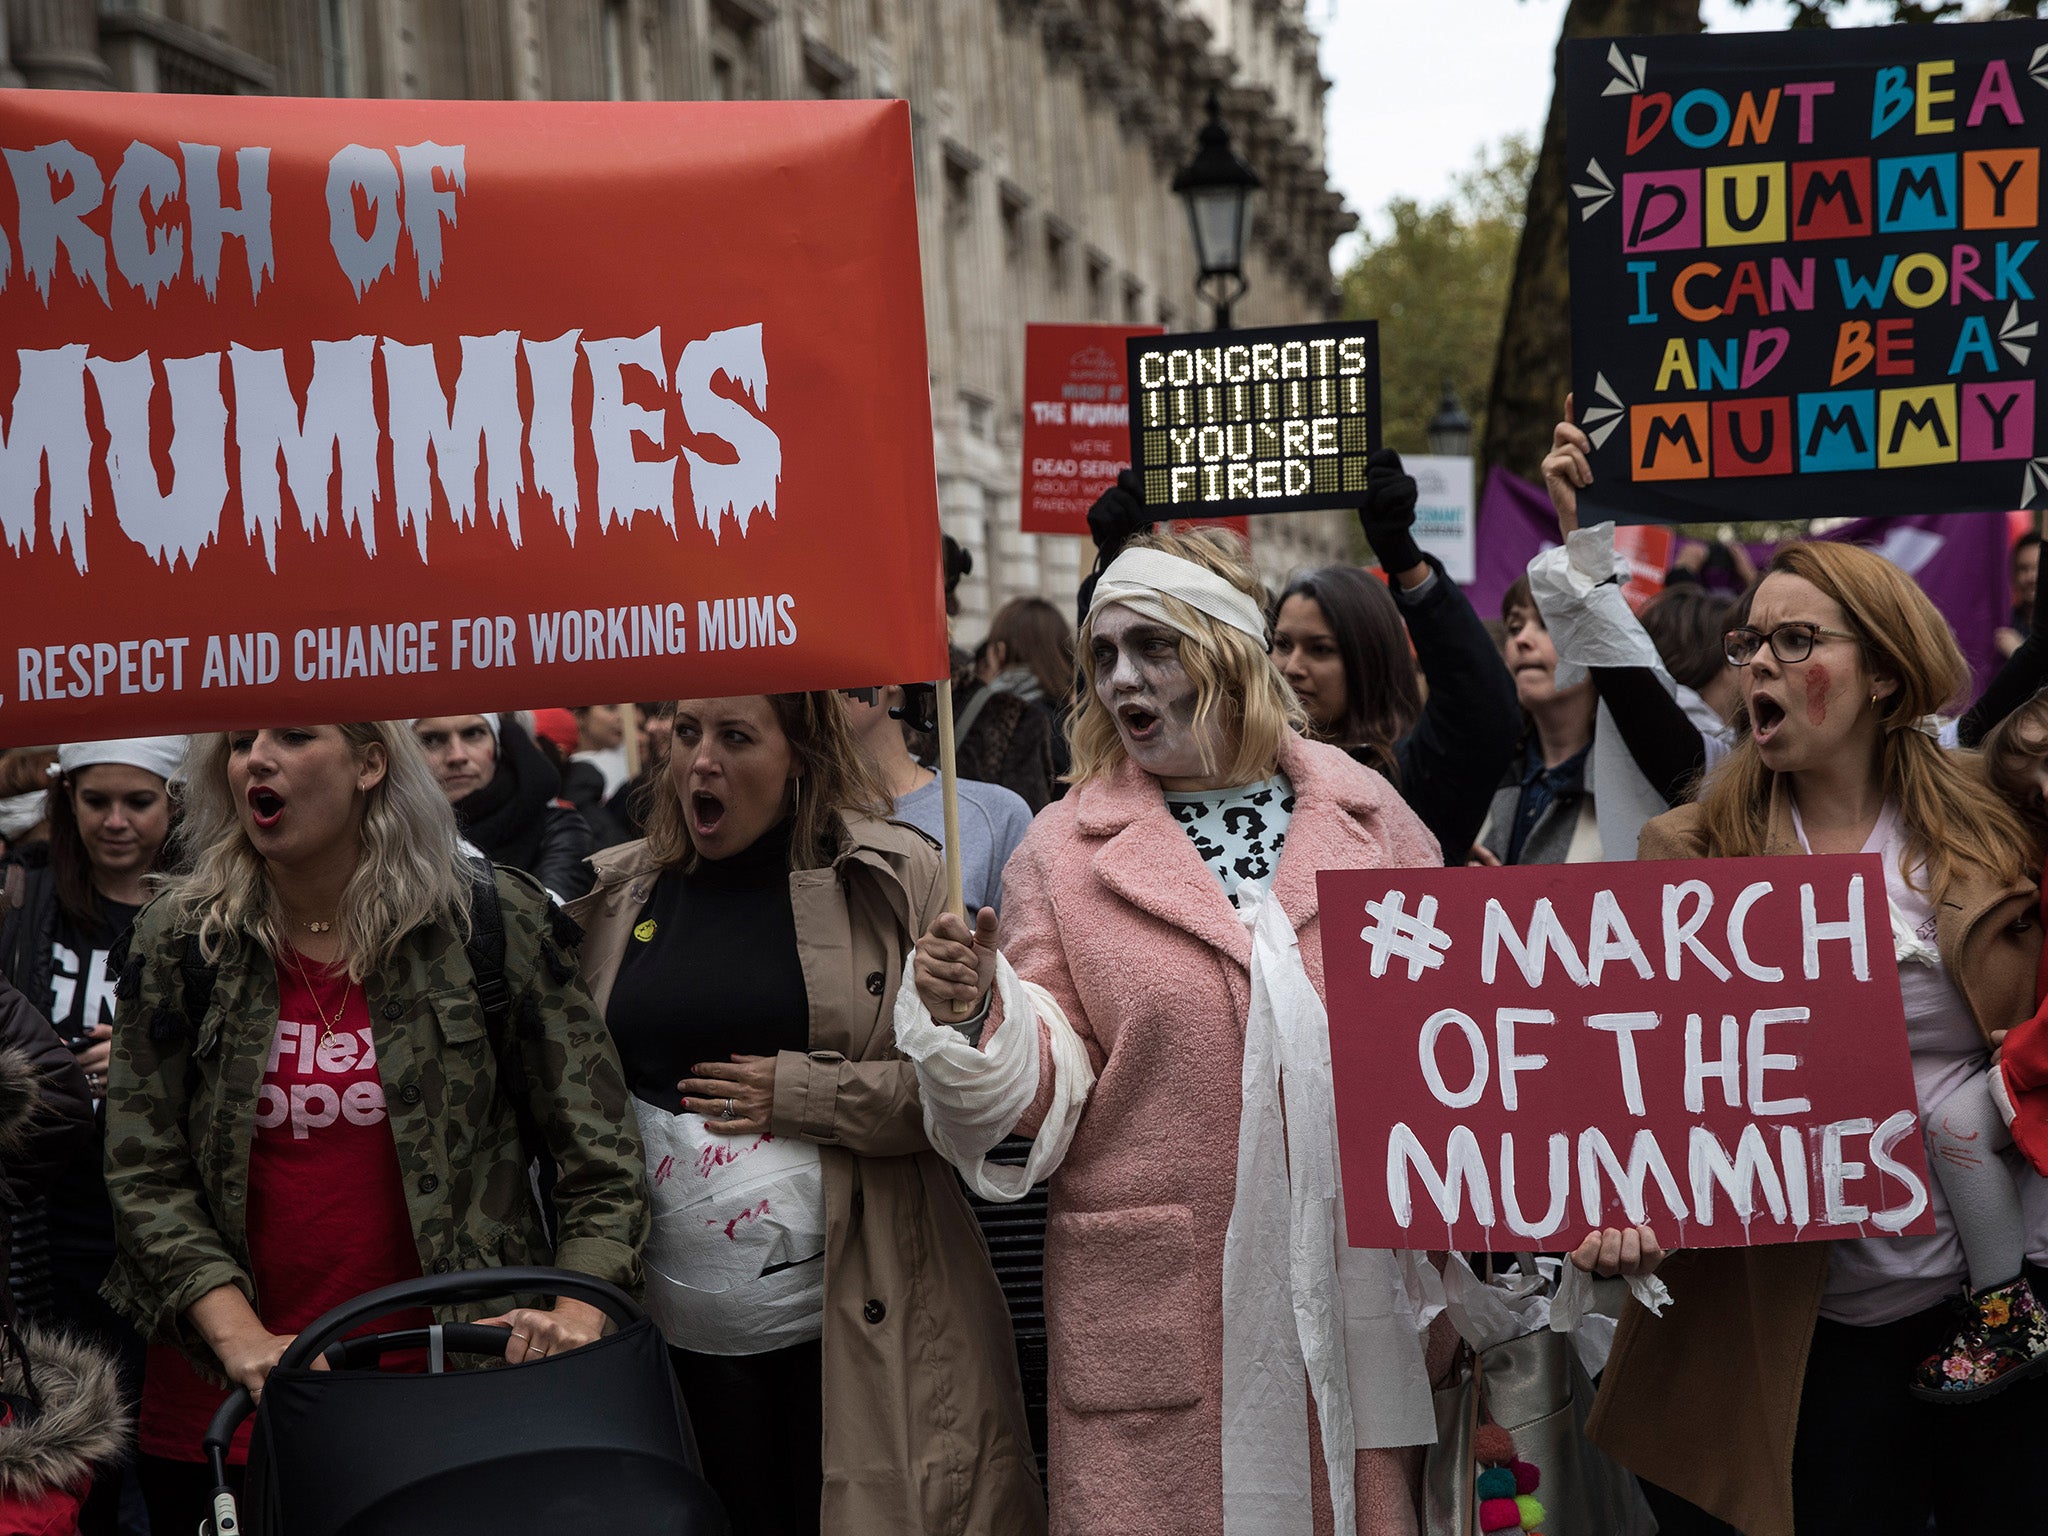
(1416, 939)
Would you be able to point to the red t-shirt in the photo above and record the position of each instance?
(327, 1218)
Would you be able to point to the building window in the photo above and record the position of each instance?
(1056, 259)
(1134, 302)
(614, 46)
(339, 57)
(736, 70)
(974, 414)
(1167, 317)
(1098, 288)
(1013, 235)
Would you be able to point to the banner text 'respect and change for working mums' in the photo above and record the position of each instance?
(1715, 1047)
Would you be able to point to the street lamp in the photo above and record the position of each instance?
(1450, 430)
(1217, 187)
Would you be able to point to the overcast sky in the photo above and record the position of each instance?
(1419, 86)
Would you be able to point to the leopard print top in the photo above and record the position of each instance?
(1238, 832)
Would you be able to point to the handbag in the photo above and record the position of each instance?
(1534, 1387)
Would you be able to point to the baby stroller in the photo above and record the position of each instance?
(596, 1439)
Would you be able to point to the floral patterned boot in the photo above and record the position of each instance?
(2003, 1339)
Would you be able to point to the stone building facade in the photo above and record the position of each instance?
(1046, 133)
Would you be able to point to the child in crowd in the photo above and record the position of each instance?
(2004, 1333)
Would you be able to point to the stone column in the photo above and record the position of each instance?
(9, 75)
(56, 44)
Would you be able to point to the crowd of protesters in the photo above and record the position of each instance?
(286, 1013)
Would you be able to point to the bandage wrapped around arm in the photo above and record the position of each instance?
(974, 1096)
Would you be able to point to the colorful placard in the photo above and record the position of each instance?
(1714, 1046)
(1245, 422)
(1805, 269)
(342, 410)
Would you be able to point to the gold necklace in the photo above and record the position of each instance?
(306, 981)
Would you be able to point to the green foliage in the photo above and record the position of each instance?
(1821, 13)
(1437, 282)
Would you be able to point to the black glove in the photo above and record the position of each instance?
(1388, 516)
(1120, 513)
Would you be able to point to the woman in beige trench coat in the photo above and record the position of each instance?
(814, 1262)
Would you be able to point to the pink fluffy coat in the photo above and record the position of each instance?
(1107, 905)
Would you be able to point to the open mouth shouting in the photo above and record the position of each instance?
(707, 811)
(1766, 717)
(266, 805)
(1139, 723)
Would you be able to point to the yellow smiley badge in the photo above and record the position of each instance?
(645, 931)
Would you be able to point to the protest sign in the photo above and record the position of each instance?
(1714, 1046)
(1077, 421)
(1444, 523)
(1244, 422)
(326, 410)
(1804, 269)
(1648, 553)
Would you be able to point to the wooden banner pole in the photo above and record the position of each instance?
(949, 797)
(629, 716)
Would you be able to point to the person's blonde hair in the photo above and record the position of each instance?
(1952, 820)
(838, 780)
(1236, 683)
(411, 872)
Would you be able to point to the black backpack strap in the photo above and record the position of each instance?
(485, 948)
(197, 976)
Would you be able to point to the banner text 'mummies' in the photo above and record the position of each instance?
(517, 408)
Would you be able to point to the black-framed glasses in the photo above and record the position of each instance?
(1788, 642)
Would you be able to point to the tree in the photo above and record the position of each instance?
(1437, 282)
(1532, 369)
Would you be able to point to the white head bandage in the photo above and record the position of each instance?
(1138, 578)
(160, 755)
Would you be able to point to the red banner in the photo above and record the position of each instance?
(1714, 1046)
(329, 410)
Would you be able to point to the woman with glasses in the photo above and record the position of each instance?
(1808, 1352)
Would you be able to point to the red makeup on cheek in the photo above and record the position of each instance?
(1817, 681)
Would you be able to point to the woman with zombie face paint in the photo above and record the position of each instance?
(308, 1099)
(1831, 1367)
(839, 1335)
(1154, 919)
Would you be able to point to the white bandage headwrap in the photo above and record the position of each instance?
(1138, 578)
(160, 755)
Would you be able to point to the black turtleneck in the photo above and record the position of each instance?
(711, 971)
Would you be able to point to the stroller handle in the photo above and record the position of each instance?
(451, 1289)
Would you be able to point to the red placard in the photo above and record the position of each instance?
(1077, 421)
(1647, 548)
(1715, 1046)
(329, 410)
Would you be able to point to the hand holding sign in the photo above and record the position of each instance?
(1566, 470)
(954, 968)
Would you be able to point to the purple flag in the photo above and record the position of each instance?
(1959, 559)
(1515, 524)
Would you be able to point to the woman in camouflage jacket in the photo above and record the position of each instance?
(305, 1101)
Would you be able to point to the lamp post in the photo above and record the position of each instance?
(1450, 430)
(1217, 187)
